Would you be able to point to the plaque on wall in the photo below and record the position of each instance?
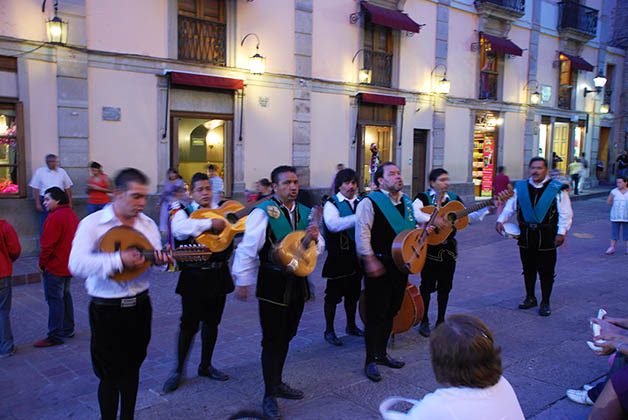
(110, 113)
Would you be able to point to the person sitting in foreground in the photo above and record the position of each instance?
(465, 357)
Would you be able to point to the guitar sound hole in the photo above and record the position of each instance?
(231, 218)
(451, 218)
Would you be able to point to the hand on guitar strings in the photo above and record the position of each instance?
(313, 230)
(373, 267)
(499, 227)
(218, 225)
(242, 293)
(439, 222)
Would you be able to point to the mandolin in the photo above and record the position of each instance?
(297, 250)
(409, 248)
(456, 216)
(121, 238)
(233, 213)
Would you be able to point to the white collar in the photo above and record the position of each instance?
(340, 196)
(433, 194)
(195, 206)
(535, 185)
(108, 215)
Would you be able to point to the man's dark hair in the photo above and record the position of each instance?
(538, 159)
(50, 156)
(464, 353)
(379, 173)
(344, 175)
(211, 167)
(435, 173)
(199, 176)
(265, 182)
(274, 175)
(500, 169)
(58, 194)
(126, 175)
(95, 165)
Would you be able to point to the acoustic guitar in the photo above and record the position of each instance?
(233, 213)
(296, 252)
(121, 238)
(456, 215)
(409, 248)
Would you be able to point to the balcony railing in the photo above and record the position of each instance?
(574, 16)
(517, 6)
(381, 67)
(564, 96)
(201, 40)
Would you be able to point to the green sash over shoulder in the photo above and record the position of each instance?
(394, 218)
(278, 222)
(536, 214)
(345, 210)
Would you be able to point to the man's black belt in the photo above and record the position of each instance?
(214, 265)
(127, 302)
(535, 226)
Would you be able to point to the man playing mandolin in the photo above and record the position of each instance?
(281, 294)
(203, 286)
(381, 216)
(119, 312)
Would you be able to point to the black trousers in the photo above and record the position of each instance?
(384, 296)
(543, 263)
(279, 325)
(348, 287)
(119, 340)
(437, 276)
(197, 310)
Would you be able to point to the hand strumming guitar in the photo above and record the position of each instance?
(313, 231)
(218, 225)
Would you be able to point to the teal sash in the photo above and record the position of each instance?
(281, 226)
(345, 210)
(536, 214)
(394, 218)
(452, 197)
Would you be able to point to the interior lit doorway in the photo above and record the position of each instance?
(560, 146)
(376, 149)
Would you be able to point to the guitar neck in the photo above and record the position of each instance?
(475, 207)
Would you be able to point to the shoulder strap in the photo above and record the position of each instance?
(277, 221)
(548, 196)
(524, 201)
(394, 218)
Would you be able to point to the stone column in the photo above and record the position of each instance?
(301, 116)
(533, 54)
(438, 116)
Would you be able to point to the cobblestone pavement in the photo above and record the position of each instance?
(541, 356)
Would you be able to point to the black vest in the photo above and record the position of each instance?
(274, 285)
(342, 259)
(450, 245)
(205, 279)
(543, 235)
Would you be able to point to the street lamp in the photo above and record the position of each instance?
(257, 61)
(598, 81)
(57, 29)
(535, 96)
(443, 85)
(605, 108)
(365, 73)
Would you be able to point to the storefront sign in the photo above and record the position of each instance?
(110, 113)
(487, 171)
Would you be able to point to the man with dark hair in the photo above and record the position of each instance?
(342, 268)
(544, 214)
(45, 177)
(440, 265)
(281, 295)
(203, 286)
(119, 312)
(55, 245)
(381, 216)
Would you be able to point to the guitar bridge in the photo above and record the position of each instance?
(292, 265)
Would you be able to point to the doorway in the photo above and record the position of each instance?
(602, 171)
(419, 164)
(560, 146)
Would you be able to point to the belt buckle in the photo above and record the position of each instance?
(533, 226)
(128, 302)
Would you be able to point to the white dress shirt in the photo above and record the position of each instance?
(473, 217)
(331, 215)
(45, 178)
(97, 267)
(563, 203)
(365, 216)
(183, 227)
(246, 261)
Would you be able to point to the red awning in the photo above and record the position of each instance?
(203, 80)
(578, 63)
(390, 18)
(376, 98)
(502, 45)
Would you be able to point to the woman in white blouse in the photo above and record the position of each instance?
(618, 199)
(464, 356)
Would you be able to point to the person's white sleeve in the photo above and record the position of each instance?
(509, 209)
(85, 260)
(478, 216)
(333, 221)
(67, 181)
(36, 180)
(364, 223)
(565, 213)
(419, 215)
(246, 261)
(183, 227)
(320, 245)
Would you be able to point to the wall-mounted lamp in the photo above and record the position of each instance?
(443, 85)
(598, 81)
(257, 61)
(605, 108)
(56, 28)
(535, 96)
(364, 75)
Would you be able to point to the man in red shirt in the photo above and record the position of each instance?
(56, 243)
(9, 251)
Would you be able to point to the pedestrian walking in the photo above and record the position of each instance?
(622, 163)
(56, 243)
(575, 169)
(500, 183)
(618, 200)
(9, 252)
(99, 187)
(46, 177)
(173, 184)
(218, 186)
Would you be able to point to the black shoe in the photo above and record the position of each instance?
(213, 373)
(271, 409)
(331, 338)
(528, 303)
(372, 372)
(545, 310)
(172, 382)
(354, 330)
(424, 328)
(438, 322)
(283, 390)
(390, 362)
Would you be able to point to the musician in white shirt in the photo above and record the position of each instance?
(119, 312)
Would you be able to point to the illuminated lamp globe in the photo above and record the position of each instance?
(256, 64)
(443, 86)
(535, 98)
(599, 81)
(57, 31)
(364, 75)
